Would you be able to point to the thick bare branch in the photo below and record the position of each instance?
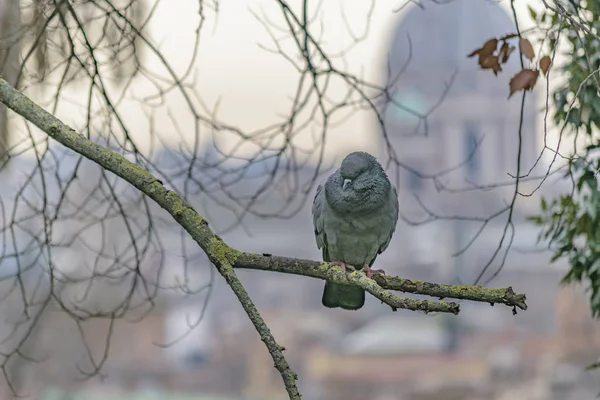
(226, 258)
(223, 255)
(321, 270)
(174, 204)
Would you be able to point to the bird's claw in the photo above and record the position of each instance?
(343, 265)
(347, 267)
(370, 271)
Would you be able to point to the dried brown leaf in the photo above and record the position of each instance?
(523, 80)
(490, 62)
(489, 47)
(505, 52)
(545, 64)
(526, 48)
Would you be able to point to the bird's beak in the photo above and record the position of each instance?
(346, 182)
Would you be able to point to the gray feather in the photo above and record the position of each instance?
(356, 224)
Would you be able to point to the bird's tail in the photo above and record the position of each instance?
(348, 297)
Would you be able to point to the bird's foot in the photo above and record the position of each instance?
(343, 265)
(370, 271)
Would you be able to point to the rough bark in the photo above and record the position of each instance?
(226, 258)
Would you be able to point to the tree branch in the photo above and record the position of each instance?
(174, 204)
(322, 270)
(226, 258)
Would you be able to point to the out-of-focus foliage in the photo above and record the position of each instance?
(571, 222)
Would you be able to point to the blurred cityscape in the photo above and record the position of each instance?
(371, 354)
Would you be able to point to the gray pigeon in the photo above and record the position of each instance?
(354, 216)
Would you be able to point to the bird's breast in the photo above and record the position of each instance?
(354, 239)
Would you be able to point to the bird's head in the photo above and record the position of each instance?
(357, 169)
(359, 184)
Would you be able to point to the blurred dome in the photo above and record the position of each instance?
(439, 36)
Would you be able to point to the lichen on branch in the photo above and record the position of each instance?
(216, 250)
(322, 270)
(226, 258)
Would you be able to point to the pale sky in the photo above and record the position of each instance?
(252, 86)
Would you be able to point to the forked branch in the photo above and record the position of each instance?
(226, 259)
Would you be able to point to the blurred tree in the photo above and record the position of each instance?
(38, 36)
(570, 223)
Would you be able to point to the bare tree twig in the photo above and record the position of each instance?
(321, 270)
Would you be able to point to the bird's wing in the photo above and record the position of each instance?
(318, 213)
(391, 219)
